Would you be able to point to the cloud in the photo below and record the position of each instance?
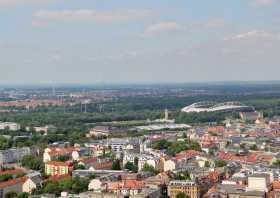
(254, 35)
(5, 3)
(45, 17)
(264, 2)
(164, 27)
(171, 27)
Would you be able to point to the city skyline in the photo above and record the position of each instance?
(94, 41)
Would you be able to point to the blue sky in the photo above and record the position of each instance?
(120, 41)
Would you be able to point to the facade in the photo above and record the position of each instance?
(51, 154)
(125, 188)
(118, 145)
(251, 116)
(98, 131)
(12, 126)
(33, 181)
(55, 168)
(259, 182)
(190, 188)
(14, 185)
(97, 163)
(13, 155)
(95, 185)
(167, 165)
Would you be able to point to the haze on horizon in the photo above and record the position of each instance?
(124, 41)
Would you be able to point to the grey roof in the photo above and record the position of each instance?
(231, 189)
(259, 175)
(254, 193)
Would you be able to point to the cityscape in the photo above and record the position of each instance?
(139, 99)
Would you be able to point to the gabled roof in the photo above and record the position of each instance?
(12, 182)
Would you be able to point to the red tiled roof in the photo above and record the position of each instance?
(62, 151)
(57, 163)
(12, 172)
(12, 182)
(89, 160)
(276, 185)
(128, 184)
(188, 154)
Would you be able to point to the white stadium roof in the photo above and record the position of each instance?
(216, 107)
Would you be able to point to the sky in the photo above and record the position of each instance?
(138, 41)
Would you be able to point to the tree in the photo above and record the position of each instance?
(183, 176)
(116, 165)
(11, 195)
(79, 185)
(276, 163)
(92, 176)
(32, 162)
(52, 188)
(149, 168)
(78, 166)
(220, 163)
(130, 166)
(63, 158)
(23, 195)
(5, 177)
(243, 146)
(5, 143)
(162, 144)
(182, 195)
(254, 147)
(207, 164)
(136, 160)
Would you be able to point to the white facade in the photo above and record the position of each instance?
(259, 182)
(12, 126)
(118, 145)
(95, 185)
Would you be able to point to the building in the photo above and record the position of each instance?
(125, 188)
(259, 182)
(253, 194)
(43, 129)
(12, 126)
(190, 188)
(97, 163)
(167, 165)
(33, 181)
(55, 168)
(250, 116)
(99, 131)
(13, 155)
(117, 145)
(13, 185)
(51, 154)
(95, 185)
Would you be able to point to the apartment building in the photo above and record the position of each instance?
(13, 155)
(55, 168)
(190, 188)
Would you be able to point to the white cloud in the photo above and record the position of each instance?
(45, 17)
(254, 34)
(164, 27)
(23, 2)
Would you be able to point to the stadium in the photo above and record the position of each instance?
(217, 107)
